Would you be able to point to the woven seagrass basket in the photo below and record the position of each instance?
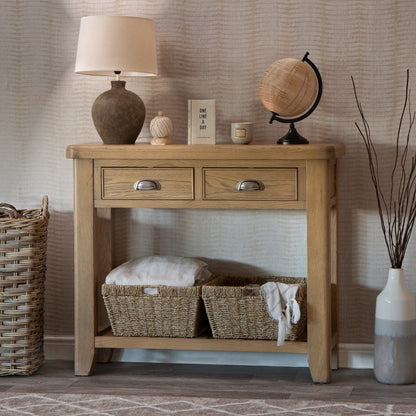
(237, 309)
(159, 311)
(23, 240)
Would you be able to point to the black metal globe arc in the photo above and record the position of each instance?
(292, 136)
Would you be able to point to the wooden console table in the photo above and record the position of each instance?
(204, 176)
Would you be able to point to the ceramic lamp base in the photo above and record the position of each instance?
(118, 115)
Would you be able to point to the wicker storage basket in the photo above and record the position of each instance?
(170, 312)
(236, 308)
(22, 275)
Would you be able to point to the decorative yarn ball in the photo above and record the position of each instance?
(161, 126)
(288, 87)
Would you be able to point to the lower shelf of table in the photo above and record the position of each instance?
(204, 343)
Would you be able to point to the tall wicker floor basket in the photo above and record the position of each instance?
(22, 275)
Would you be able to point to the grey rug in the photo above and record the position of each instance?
(111, 405)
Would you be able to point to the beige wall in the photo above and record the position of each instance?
(210, 49)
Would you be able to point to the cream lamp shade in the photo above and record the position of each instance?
(116, 43)
(120, 46)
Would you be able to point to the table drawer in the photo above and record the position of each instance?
(147, 183)
(237, 184)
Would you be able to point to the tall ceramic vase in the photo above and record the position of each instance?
(395, 332)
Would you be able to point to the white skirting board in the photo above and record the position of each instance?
(350, 355)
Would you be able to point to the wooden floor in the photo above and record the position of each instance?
(209, 381)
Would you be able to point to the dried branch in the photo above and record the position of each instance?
(398, 212)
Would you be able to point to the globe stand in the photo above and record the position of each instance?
(292, 136)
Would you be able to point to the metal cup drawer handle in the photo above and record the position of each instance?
(146, 185)
(250, 185)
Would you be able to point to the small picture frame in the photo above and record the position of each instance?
(201, 121)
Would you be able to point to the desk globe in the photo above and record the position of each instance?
(291, 89)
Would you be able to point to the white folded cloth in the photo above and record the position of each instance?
(160, 270)
(282, 306)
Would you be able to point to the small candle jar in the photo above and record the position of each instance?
(242, 133)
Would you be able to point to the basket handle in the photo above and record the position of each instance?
(152, 291)
(9, 210)
(45, 205)
(251, 290)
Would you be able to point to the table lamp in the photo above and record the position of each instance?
(117, 45)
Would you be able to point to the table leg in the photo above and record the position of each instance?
(334, 284)
(319, 289)
(84, 285)
(103, 264)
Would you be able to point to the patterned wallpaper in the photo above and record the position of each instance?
(212, 49)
